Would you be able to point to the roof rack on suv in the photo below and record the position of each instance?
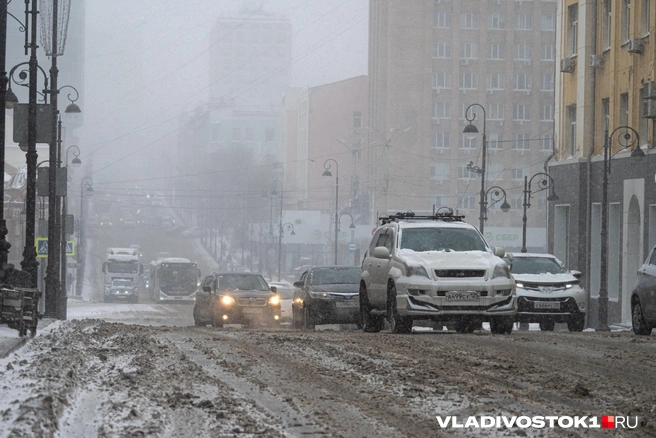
(442, 214)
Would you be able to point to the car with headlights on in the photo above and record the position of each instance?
(286, 292)
(547, 292)
(643, 297)
(236, 298)
(326, 295)
(436, 268)
(122, 289)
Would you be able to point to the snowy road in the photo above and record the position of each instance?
(155, 374)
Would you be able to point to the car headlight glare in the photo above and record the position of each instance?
(319, 295)
(502, 270)
(520, 285)
(416, 270)
(274, 300)
(227, 300)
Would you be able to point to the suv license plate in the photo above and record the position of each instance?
(462, 296)
(346, 304)
(546, 305)
(251, 310)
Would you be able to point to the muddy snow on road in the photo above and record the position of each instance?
(91, 377)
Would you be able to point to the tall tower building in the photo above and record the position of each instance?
(431, 60)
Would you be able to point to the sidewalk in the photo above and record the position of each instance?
(10, 341)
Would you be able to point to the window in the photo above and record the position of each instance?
(606, 22)
(496, 51)
(549, 22)
(463, 110)
(357, 151)
(442, 49)
(624, 109)
(357, 120)
(518, 173)
(441, 110)
(522, 142)
(270, 134)
(495, 111)
(468, 202)
(523, 22)
(469, 20)
(626, 20)
(644, 17)
(495, 81)
(547, 83)
(495, 141)
(441, 140)
(517, 202)
(466, 142)
(442, 80)
(546, 143)
(495, 172)
(442, 19)
(440, 200)
(440, 171)
(496, 21)
(469, 81)
(548, 52)
(572, 29)
(468, 51)
(522, 82)
(571, 129)
(464, 172)
(547, 113)
(643, 128)
(521, 111)
(522, 52)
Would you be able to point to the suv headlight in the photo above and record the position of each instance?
(415, 270)
(274, 300)
(319, 295)
(501, 271)
(227, 300)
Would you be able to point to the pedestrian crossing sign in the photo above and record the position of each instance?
(70, 248)
(41, 247)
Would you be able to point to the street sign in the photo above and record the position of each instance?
(42, 247)
(70, 248)
(351, 247)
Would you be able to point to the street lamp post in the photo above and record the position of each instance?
(327, 172)
(497, 194)
(544, 182)
(629, 140)
(86, 185)
(287, 226)
(76, 162)
(472, 130)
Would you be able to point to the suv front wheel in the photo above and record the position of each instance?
(370, 323)
(398, 324)
(502, 325)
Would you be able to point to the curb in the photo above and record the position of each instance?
(4, 352)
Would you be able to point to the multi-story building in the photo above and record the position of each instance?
(605, 96)
(430, 60)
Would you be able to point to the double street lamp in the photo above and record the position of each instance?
(629, 139)
(544, 182)
(75, 162)
(471, 131)
(327, 172)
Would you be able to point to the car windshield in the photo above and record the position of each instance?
(442, 239)
(242, 282)
(345, 275)
(121, 283)
(537, 265)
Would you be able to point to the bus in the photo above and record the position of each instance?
(173, 279)
(122, 263)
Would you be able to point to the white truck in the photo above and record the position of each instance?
(122, 264)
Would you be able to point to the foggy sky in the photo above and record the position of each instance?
(147, 62)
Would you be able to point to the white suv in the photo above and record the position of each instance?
(434, 268)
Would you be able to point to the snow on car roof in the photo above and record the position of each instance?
(434, 224)
(532, 254)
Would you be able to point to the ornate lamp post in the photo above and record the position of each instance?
(497, 194)
(86, 185)
(327, 172)
(76, 162)
(630, 139)
(544, 182)
(471, 130)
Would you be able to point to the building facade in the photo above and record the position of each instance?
(605, 99)
(429, 61)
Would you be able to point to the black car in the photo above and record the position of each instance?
(643, 297)
(236, 298)
(327, 295)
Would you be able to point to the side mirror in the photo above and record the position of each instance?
(274, 289)
(499, 251)
(381, 252)
(576, 274)
(104, 267)
(298, 284)
(207, 289)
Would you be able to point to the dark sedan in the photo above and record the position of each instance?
(236, 298)
(327, 295)
(643, 297)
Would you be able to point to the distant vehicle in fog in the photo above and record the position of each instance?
(122, 264)
(327, 295)
(236, 298)
(174, 280)
(122, 290)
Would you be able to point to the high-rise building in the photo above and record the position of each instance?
(431, 60)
